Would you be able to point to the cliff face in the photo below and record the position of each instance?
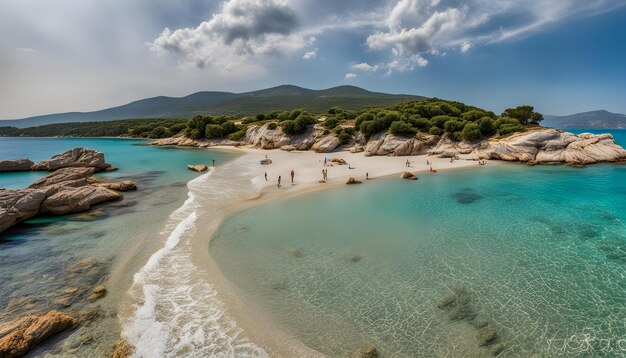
(536, 146)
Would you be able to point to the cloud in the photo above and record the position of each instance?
(365, 67)
(465, 46)
(310, 55)
(238, 37)
(415, 28)
(350, 76)
(26, 50)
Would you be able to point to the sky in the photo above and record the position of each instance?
(562, 56)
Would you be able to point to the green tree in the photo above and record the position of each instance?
(213, 131)
(486, 126)
(471, 131)
(525, 114)
(401, 128)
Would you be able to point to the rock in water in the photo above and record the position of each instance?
(17, 165)
(76, 158)
(198, 168)
(97, 293)
(73, 200)
(365, 352)
(353, 181)
(67, 176)
(123, 349)
(126, 185)
(22, 335)
(408, 175)
(19, 205)
(486, 336)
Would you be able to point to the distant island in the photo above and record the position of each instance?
(593, 119)
(285, 97)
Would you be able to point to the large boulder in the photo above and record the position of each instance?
(20, 336)
(125, 185)
(19, 205)
(77, 176)
(17, 165)
(327, 144)
(73, 200)
(77, 157)
(198, 168)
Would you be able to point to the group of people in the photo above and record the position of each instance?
(280, 178)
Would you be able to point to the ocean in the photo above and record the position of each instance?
(538, 254)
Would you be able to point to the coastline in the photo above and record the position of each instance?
(254, 324)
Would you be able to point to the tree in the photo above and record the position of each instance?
(344, 137)
(525, 114)
(402, 128)
(471, 131)
(213, 131)
(486, 126)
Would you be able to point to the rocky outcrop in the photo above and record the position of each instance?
(75, 158)
(125, 185)
(539, 146)
(73, 200)
(198, 168)
(19, 205)
(20, 336)
(327, 144)
(535, 146)
(17, 165)
(64, 191)
(351, 181)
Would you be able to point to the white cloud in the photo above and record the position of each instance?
(350, 76)
(465, 46)
(310, 55)
(414, 28)
(26, 50)
(365, 67)
(238, 37)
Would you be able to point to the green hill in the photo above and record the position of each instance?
(285, 97)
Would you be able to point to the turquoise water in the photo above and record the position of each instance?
(539, 252)
(35, 257)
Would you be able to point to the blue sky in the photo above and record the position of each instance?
(562, 56)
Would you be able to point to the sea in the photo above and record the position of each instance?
(536, 254)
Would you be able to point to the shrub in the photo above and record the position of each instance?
(289, 127)
(176, 128)
(326, 132)
(486, 126)
(228, 128)
(194, 133)
(362, 118)
(344, 137)
(439, 121)
(295, 113)
(331, 122)
(283, 116)
(435, 130)
(422, 124)
(453, 125)
(402, 128)
(213, 131)
(272, 125)
(260, 117)
(160, 132)
(237, 135)
(471, 131)
(473, 115)
(509, 128)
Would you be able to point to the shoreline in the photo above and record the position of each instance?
(256, 324)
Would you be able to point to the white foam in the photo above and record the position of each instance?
(176, 311)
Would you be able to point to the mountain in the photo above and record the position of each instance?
(593, 119)
(285, 97)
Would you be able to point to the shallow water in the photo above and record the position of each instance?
(540, 252)
(35, 257)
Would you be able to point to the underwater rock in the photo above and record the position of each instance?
(67, 296)
(22, 335)
(486, 336)
(364, 352)
(408, 175)
(352, 257)
(125, 185)
(294, 253)
(351, 180)
(90, 215)
(90, 315)
(446, 301)
(97, 293)
(123, 349)
(497, 348)
(466, 196)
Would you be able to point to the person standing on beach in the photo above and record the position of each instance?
(367, 176)
(279, 182)
(293, 174)
(213, 162)
(265, 176)
(324, 161)
(325, 174)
